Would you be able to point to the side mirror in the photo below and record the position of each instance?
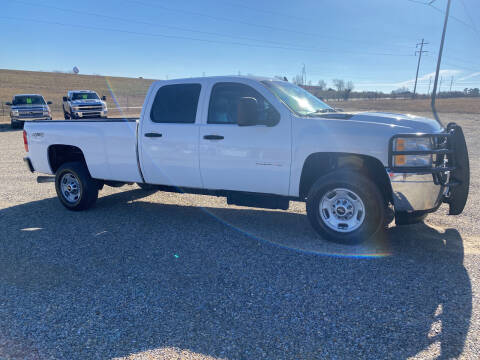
(104, 98)
(8, 103)
(247, 112)
(49, 103)
(65, 98)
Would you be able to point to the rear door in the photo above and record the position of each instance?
(245, 158)
(169, 135)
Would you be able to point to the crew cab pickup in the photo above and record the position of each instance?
(84, 104)
(27, 107)
(262, 142)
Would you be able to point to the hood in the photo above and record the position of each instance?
(408, 123)
(87, 102)
(29, 107)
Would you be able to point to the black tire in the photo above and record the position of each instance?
(354, 185)
(147, 187)
(13, 125)
(404, 218)
(87, 187)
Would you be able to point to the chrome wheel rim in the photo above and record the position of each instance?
(70, 186)
(342, 210)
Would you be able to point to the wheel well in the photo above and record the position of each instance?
(320, 164)
(61, 154)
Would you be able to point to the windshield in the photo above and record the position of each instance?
(84, 96)
(28, 100)
(297, 99)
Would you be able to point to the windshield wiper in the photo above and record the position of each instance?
(321, 111)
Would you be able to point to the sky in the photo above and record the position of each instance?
(369, 42)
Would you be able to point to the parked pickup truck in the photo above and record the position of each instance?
(27, 107)
(262, 142)
(84, 104)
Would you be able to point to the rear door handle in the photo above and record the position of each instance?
(213, 137)
(152, 134)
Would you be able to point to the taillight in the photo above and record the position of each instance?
(25, 141)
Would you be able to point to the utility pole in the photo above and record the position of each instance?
(440, 85)
(451, 83)
(429, 84)
(418, 65)
(434, 92)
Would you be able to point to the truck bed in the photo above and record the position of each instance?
(109, 146)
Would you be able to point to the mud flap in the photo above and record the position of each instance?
(461, 175)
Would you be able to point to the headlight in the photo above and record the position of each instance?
(46, 113)
(76, 108)
(413, 144)
(15, 112)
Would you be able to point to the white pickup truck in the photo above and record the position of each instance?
(262, 142)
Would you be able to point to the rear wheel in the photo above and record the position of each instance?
(346, 207)
(75, 187)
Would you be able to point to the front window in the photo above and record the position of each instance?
(297, 99)
(85, 96)
(28, 100)
(224, 101)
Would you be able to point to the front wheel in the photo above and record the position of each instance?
(75, 187)
(346, 207)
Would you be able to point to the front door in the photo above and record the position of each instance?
(244, 158)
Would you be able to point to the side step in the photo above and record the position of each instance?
(260, 201)
(45, 179)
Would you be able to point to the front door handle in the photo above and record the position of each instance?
(213, 137)
(153, 134)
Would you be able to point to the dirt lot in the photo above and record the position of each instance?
(181, 276)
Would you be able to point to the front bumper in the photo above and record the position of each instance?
(423, 189)
(22, 120)
(90, 113)
(416, 192)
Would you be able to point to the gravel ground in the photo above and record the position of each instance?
(167, 276)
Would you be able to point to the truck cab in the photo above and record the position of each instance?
(79, 104)
(28, 107)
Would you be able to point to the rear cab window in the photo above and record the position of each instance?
(176, 104)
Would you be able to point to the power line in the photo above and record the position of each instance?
(430, 4)
(312, 50)
(276, 43)
(143, 22)
(243, 22)
(470, 18)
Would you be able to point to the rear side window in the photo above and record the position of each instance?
(176, 104)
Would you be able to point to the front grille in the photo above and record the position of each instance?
(90, 108)
(30, 114)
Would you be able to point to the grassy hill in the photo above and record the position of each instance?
(53, 86)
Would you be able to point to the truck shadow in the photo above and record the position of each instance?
(137, 277)
(7, 127)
